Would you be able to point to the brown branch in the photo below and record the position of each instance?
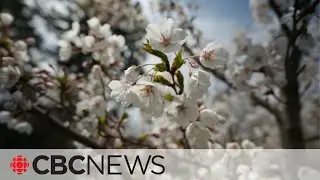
(55, 122)
(313, 138)
(309, 10)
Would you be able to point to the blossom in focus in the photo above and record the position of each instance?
(165, 36)
(148, 98)
(209, 118)
(198, 84)
(214, 55)
(131, 74)
(121, 92)
(198, 136)
(183, 112)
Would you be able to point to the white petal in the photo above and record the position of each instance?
(173, 47)
(131, 74)
(93, 23)
(167, 27)
(24, 127)
(115, 84)
(179, 35)
(153, 31)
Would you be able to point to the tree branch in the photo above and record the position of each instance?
(55, 122)
(276, 8)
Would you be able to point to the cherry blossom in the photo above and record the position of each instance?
(183, 112)
(257, 57)
(121, 92)
(165, 36)
(198, 135)
(148, 98)
(65, 51)
(214, 55)
(6, 19)
(198, 84)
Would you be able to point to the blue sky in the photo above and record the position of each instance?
(219, 19)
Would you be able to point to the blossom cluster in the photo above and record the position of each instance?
(13, 56)
(162, 94)
(175, 110)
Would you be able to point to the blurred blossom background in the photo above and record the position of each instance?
(58, 58)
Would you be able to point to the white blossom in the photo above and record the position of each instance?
(98, 106)
(121, 92)
(88, 43)
(198, 84)
(165, 36)
(198, 136)
(98, 30)
(71, 35)
(209, 118)
(6, 18)
(183, 112)
(131, 74)
(9, 76)
(5, 117)
(93, 23)
(214, 55)
(23, 128)
(117, 41)
(148, 98)
(65, 51)
(257, 57)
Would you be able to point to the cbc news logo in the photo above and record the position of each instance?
(60, 164)
(19, 164)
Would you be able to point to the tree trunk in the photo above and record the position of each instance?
(293, 130)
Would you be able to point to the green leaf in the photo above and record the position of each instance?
(180, 79)
(161, 67)
(162, 80)
(102, 119)
(159, 54)
(169, 97)
(124, 116)
(143, 137)
(177, 62)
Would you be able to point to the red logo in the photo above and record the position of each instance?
(19, 164)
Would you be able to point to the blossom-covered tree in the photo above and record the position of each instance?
(270, 97)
